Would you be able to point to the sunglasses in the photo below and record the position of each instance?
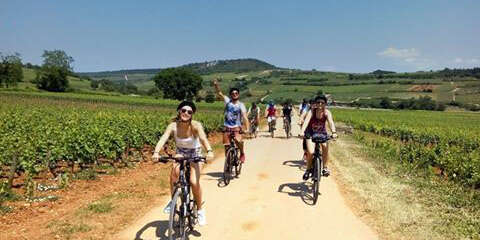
(234, 93)
(184, 110)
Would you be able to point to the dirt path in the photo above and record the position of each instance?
(266, 202)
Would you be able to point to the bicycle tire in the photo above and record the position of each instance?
(227, 168)
(317, 174)
(193, 216)
(287, 130)
(177, 228)
(238, 167)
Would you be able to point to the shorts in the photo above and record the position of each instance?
(226, 134)
(271, 118)
(189, 152)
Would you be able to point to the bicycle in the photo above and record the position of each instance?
(253, 127)
(183, 208)
(271, 126)
(232, 159)
(317, 162)
(287, 126)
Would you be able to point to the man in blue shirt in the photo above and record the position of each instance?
(235, 116)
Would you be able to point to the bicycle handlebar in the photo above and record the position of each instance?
(181, 159)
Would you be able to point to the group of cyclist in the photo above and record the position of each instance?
(190, 137)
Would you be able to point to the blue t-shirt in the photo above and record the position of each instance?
(233, 113)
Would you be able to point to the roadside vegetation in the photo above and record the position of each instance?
(416, 173)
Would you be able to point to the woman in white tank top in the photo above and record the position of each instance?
(189, 138)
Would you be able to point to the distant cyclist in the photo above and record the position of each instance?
(271, 114)
(235, 116)
(303, 107)
(315, 123)
(253, 114)
(287, 111)
(189, 137)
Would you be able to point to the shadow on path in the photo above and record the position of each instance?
(301, 190)
(161, 230)
(218, 176)
(300, 164)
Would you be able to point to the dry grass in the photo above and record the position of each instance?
(386, 204)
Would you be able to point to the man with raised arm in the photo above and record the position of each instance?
(235, 116)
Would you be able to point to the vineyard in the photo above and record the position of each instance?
(448, 141)
(48, 135)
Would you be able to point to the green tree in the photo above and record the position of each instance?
(11, 71)
(94, 84)
(55, 70)
(210, 98)
(57, 58)
(178, 83)
(52, 79)
(386, 103)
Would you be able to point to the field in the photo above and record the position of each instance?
(300, 85)
(43, 134)
(445, 142)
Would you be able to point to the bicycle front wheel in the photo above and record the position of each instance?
(317, 174)
(177, 227)
(228, 166)
(238, 165)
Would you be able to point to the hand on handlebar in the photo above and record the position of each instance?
(156, 156)
(210, 155)
(334, 136)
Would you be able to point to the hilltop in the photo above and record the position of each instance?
(207, 67)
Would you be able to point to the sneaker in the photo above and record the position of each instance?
(167, 208)
(202, 219)
(242, 158)
(307, 174)
(325, 172)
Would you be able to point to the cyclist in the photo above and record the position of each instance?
(287, 111)
(189, 137)
(235, 116)
(315, 122)
(253, 114)
(303, 107)
(270, 113)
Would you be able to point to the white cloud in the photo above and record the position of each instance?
(464, 62)
(405, 53)
(410, 60)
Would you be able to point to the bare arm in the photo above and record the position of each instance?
(168, 132)
(203, 138)
(302, 118)
(217, 89)
(245, 120)
(331, 125)
(307, 120)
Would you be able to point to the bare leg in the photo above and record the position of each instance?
(195, 183)
(309, 152)
(325, 154)
(174, 177)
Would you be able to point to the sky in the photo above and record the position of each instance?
(337, 35)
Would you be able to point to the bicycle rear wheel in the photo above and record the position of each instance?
(317, 174)
(177, 227)
(228, 166)
(287, 129)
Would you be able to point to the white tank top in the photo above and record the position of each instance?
(189, 142)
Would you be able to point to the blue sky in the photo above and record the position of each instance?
(346, 36)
